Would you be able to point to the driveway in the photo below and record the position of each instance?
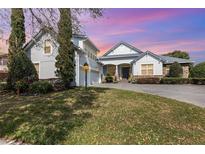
(194, 94)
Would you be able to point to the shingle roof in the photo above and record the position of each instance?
(169, 60)
(164, 59)
(120, 56)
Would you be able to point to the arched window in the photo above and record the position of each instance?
(47, 47)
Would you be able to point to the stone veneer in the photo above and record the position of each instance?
(185, 68)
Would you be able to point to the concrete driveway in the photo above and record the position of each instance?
(194, 94)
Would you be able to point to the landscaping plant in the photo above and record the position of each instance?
(175, 70)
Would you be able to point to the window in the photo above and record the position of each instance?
(147, 69)
(36, 65)
(47, 47)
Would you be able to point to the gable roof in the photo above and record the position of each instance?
(43, 31)
(125, 44)
(164, 59)
(149, 53)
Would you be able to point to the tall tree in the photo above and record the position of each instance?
(19, 65)
(178, 54)
(65, 60)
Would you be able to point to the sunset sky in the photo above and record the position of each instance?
(157, 30)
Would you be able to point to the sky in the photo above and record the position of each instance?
(157, 30)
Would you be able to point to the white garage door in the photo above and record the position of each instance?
(94, 77)
(82, 77)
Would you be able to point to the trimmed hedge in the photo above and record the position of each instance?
(200, 81)
(150, 80)
(41, 87)
(175, 80)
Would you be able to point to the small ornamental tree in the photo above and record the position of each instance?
(19, 65)
(65, 60)
(175, 70)
(198, 71)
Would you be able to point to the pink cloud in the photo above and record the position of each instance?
(122, 32)
(167, 46)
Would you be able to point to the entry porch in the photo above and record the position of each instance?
(121, 71)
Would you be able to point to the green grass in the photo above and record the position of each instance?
(100, 116)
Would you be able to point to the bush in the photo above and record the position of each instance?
(109, 78)
(200, 81)
(40, 87)
(175, 81)
(148, 80)
(175, 70)
(22, 86)
(3, 86)
(3, 76)
(20, 68)
(198, 71)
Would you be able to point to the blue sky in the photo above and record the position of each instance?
(157, 30)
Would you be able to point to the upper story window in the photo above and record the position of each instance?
(47, 47)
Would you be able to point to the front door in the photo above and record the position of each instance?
(125, 72)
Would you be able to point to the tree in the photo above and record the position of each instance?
(38, 18)
(178, 54)
(19, 65)
(198, 71)
(175, 70)
(65, 60)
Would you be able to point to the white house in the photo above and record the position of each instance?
(43, 49)
(124, 60)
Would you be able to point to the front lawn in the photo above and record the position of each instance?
(100, 116)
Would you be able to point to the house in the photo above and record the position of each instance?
(3, 62)
(124, 60)
(43, 49)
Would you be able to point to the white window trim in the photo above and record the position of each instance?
(48, 54)
(38, 62)
(146, 64)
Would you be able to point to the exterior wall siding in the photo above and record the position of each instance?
(122, 49)
(47, 62)
(147, 59)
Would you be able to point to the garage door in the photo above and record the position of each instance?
(94, 77)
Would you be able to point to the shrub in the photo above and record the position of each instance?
(175, 81)
(3, 76)
(3, 86)
(22, 86)
(41, 87)
(200, 81)
(198, 71)
(175, 70)
(148, 80)
(109, 78)
(20, 68)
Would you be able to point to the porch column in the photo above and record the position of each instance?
(116, 72)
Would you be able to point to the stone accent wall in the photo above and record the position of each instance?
(185, 71)
(185, 68)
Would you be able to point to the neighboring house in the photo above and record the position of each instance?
(3, 55)
(124, 60)
(3, 62)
